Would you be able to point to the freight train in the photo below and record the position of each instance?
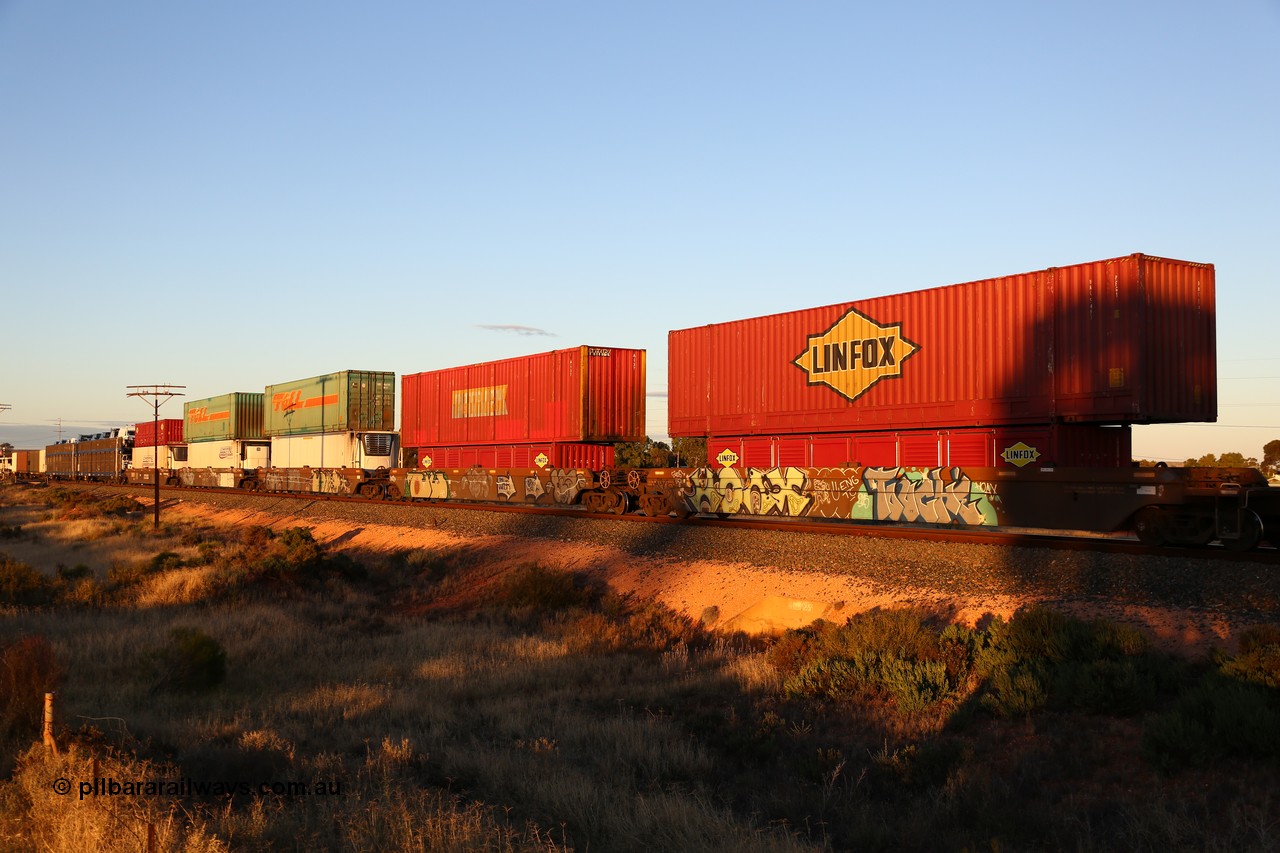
(1002, 402)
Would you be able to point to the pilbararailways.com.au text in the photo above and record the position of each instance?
(188, 787)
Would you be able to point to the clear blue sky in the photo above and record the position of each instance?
(228, 195)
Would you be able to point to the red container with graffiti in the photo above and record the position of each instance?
(1121, 341)
(570, 396)
(169, 432)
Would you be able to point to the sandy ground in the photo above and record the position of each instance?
(744, 597)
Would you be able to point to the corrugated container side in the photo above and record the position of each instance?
(171, 432)
(1004, 447)
(1128, 340)
(1137, 337)
(583, 394)
(346, 401)
(26, 461)
(538, 455)
(228, 417)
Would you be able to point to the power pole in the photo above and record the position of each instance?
(157, 395)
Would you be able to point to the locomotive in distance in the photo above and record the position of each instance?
(1001, 402)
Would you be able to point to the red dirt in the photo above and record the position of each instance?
(778, 598)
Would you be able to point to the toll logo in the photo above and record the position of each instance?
(855, 354)
(726, 458)
(1020, 454)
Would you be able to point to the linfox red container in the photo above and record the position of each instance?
(584, 394)
(1121, 341)
(170, 433)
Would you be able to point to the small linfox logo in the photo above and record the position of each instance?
(1020, 454)
(541, 460)
(726, 458)
(854, 354)
(480, 402)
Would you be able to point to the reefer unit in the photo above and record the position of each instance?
(169, 431)
(346, 401)
(583, 394)
(1121, 341)
(227, 417)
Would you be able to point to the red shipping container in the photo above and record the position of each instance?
(583, 394)
(1067, 445)
(1121, 341)
(541, 455)
(144, 434)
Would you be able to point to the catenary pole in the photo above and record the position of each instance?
(157, 395)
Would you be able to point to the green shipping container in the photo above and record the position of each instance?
(350, 400)
(235, 416)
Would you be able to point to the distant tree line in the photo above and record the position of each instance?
(1269, 465)
(681, 453)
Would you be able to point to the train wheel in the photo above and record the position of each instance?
(1250, 532)
(1149, 526)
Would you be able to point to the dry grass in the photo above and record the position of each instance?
(577, 721)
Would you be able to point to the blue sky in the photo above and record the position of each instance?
(228, 195)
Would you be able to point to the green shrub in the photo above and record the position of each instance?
(544, 589)
(1259, 658)
(22, 585)
(892, 654)
(75, 573)
(191, 661)
(1042, 658)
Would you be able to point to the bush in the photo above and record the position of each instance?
(22, 585)
(892, 654)
(192, 661)
(1044, 658)
(28, 670)
(544, 589)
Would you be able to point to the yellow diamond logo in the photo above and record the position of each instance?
(726, 458)
(854, 354)
(541, 460)
(424, 462)
(1019, 454)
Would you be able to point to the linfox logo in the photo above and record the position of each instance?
(854, 354)
(541, 460)
(1020, 454)
(726, 458)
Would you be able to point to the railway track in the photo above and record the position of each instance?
(1006, 537)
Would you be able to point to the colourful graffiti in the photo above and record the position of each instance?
(772, 491)
(428, 485)
(932, 496)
